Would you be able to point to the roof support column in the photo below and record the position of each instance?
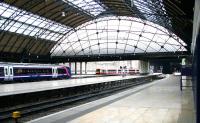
(70, 64)
(75, 68)
(196, 77)
(80, 67)
(85, 67)
(196, 59)
(144, 66)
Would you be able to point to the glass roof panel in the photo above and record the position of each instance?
(149, 9)
(150, 49)
(148, 36)
(119, 34)
(171, 41)
(137, 50)
(149, 28)
(129, 48)
(103, 51)
(169, 47)
(141, 45)
(23, 22)
(119, 51)
(102, 35)
(90, 6)
(122, 46)
(95, 47)
(162, 50)
(103, 45)
(123, 35)
(143, 8)
(133, 36)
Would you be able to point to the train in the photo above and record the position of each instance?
(117, 71)
(31, 72)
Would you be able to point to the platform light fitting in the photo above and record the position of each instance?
(63, 14)
(36, 37)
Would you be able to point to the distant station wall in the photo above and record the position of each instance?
(90, 67)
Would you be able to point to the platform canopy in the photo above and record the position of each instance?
(47, 29)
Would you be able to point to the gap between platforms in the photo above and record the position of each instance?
(72, 113)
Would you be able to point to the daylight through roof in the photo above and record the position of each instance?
(117, 35)
(19, 21)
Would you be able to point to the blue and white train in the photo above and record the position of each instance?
(24, 72)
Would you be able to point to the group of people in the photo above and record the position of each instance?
(123, 70)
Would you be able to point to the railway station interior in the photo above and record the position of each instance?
(99, 61)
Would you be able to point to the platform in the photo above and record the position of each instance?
(157, 102)
(19, 88)
(86, 76)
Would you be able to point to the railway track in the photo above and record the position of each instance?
(45, 106)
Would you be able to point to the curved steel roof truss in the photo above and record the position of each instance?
(113, 35)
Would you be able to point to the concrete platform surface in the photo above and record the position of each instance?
(157, 102)
(85, 75)
(19, 88)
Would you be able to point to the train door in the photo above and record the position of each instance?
(6, 73)
(10, 71)
(54, 72)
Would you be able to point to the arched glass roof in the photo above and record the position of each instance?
(19, 21)
(90, 6)
(117, 35)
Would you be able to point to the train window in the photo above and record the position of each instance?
(34, 71)
(17, 71)
(39, 71)
(23, 71)
(28, 71)
(11, 72)
(6, 71)
(43, 71)
(61, 71)
(20, 71)
(1, 71)
(56, 71)
(46, 71)
(49, 71)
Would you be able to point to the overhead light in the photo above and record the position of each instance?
(63, 14)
